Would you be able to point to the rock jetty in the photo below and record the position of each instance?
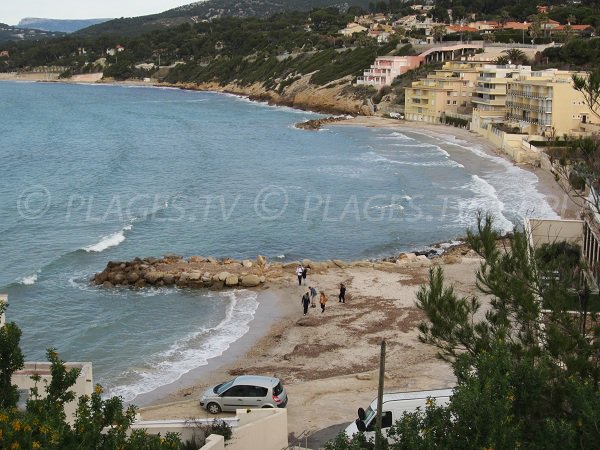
(316, 124)
(216, 274)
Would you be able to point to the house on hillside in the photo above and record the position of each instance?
(4, 54)
(386, 68)
(353, 28)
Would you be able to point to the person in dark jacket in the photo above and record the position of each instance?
(342, 295)
(313, 295)
(305, 302)
(304, 273)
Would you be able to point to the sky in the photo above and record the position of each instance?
(11, 11)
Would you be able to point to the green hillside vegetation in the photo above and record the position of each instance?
(575, 54)
(209, 10)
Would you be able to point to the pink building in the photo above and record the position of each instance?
(386, 68)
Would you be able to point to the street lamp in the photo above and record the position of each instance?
(525, 24)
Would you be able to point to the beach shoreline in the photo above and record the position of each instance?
(328, 361)
(288, 349)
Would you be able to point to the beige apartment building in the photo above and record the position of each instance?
(545, 103)
(445, 92)
(489, 97)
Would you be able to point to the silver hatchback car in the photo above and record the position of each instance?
(245, 391)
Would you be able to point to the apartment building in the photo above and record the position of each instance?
(545, 103)
(386, 68)
(444, 92)
(489, 97)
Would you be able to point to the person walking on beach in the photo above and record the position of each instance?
(304, 273)
(305, 302)
(342, 295)
(322, 301)
(299, 273)
(313, 294)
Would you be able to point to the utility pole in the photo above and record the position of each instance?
(378, 435)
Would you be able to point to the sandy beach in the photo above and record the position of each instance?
(328, 362)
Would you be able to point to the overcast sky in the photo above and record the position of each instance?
(11, 11)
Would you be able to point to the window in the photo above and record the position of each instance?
(240, 391)
(257, 391)
(447, 102)
(454, 102)
(278, 389)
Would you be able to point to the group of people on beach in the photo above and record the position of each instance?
(308, 299)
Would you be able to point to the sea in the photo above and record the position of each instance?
(98, 173)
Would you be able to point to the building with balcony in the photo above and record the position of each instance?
(545, 103)
(489, 97)
(386, 68)
(445, 92)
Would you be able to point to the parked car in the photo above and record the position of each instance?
(394, 406)
(245, 391)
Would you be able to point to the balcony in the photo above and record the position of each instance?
(488, 101)
(494, 90)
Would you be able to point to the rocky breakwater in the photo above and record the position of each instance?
(195, 272)
(316, 124)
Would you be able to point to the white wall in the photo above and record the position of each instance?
(546, 231)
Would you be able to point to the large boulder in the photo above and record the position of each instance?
(169, 279)
(307, 263)
(196, 259)
(222, 276)
(101, 277)
(247, 263)
(212, 260)
(250, 280)
(190, 276)
(116, 277)
(132, 277)
(231, 280)
(154, 277)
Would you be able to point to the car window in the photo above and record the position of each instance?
(258, 391)
(236, 391)
(223, 387)
(386, 421)
(277, 389)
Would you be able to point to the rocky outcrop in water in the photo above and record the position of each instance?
(215, 274)
(316, 124)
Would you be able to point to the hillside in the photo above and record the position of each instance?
(211, 9)
(60, 25)
(10, 33)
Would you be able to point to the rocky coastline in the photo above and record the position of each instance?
(216, 274)
(316, 124)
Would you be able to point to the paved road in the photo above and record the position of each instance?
(318, 439)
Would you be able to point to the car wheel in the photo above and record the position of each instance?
(213, 408)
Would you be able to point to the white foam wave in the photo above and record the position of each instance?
(193, 350)
(29, 279)
(109, 241)
(485, 197)
(393, 206)
(280, 256)
(375, 158)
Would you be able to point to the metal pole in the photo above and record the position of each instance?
(378, 435)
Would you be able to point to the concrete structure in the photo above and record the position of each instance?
(386, 68)
(545, 103)
(84, 385)
(444, 92)
(489, 98)
(548, 231)
(442, 53)
(264, 429)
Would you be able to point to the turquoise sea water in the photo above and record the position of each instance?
(97, 173)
